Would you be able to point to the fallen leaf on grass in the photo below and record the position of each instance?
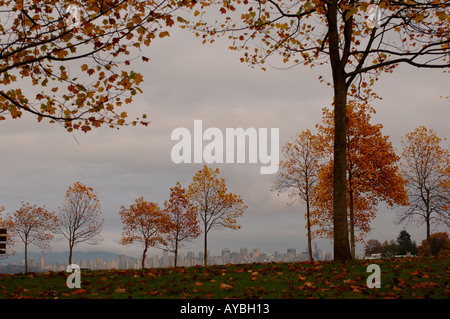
(355, 289)
(425, 285)
(121, 289)
(225, 286)
(79, 291)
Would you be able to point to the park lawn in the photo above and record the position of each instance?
(408, 278)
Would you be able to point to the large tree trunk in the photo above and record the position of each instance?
(340, 230)
(341, 242)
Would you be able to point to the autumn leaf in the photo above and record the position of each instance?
(79, 291)
(121, 289)
(425, 285)
(225, 286)
(355, 289)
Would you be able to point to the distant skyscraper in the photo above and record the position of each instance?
(122, 263)
(41, 263)
(165, 262)
(244, 251)
(256, 252)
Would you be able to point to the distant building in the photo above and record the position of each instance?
(122, 263)
(244, 252)
(255, 253)
(165, 261)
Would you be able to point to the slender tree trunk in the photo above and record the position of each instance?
(26, 257)
(428, 231)
(176, 251)
(205, 254)
(308, 222)
(352, 225)
(341, 247)
(144, 256)
(70, 252)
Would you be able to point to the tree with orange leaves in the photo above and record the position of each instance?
(77, 56)
(144, 222)
(79, 217)
(32, 224)
(183, 216)
(358, 40)
(426, 166)
(215, 206)
(298, 172)
(439, 245)
(372, 173)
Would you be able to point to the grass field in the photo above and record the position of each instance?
(408, 278)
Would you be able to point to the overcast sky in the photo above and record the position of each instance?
(185, 81)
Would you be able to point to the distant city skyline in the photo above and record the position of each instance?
(163, 259)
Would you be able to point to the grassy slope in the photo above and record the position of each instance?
(400, 278)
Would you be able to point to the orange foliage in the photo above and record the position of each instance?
(426, 166)
(215, 206)
(31, 224)
(183, 216)
(372, 172)
(77, 62)
(144, 222)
